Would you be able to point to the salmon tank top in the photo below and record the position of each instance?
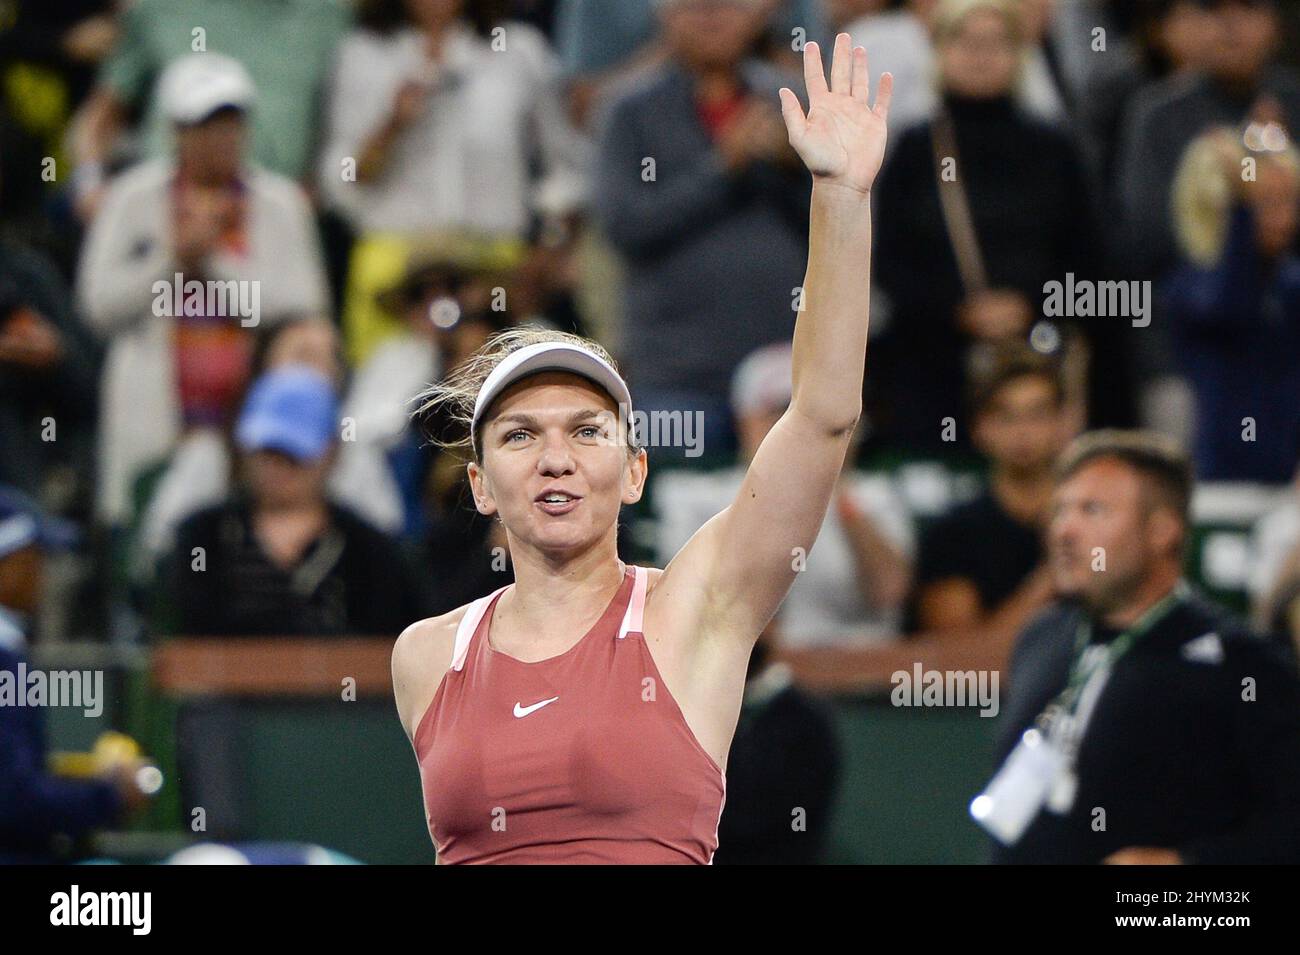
(584, 757)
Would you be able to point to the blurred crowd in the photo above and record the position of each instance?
(238, 237)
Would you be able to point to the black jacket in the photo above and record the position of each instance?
(353, 580)
(1178, 754)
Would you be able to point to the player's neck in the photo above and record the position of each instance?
(548, 593)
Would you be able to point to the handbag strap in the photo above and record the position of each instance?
(956, 207)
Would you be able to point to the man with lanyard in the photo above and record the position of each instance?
(1144, 725)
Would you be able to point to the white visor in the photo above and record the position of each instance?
(550, 356)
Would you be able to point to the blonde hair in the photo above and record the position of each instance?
(455, 394)
(1204, 190)
(950, 15)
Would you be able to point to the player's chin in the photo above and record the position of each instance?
(560, 534)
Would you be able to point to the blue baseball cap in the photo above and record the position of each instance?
(23, 524)
(293, 410)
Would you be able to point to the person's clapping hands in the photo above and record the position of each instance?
(30, 341)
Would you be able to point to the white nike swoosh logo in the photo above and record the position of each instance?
(522, 711)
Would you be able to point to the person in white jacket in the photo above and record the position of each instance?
(184, 259)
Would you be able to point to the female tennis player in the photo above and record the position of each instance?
(584, 713)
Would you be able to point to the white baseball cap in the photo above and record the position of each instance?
(764, 381)
(549, 356)
(198, 84)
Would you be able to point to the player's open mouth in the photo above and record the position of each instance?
(557, 502)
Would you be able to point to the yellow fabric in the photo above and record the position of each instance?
(38, 100)
(379, 262)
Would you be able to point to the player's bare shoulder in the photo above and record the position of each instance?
(681, 591)
(421, 657)
(676, 600)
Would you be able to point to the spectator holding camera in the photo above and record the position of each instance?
(211, 221)
(444, 118)
(1234, 303)
(1241, 77)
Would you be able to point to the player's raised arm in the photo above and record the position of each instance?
(747, 554)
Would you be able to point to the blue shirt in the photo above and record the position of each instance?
(1235, 331)
(35, 805)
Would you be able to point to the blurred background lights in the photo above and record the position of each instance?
(444, 312)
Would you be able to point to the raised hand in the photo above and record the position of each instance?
(842, 139)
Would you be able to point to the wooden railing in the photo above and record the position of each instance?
(870, 669)
(297, 666)
(273, 666)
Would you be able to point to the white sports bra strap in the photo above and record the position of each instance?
(636, 606)
(468, 624)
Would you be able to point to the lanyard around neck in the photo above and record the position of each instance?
(1080, 673)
